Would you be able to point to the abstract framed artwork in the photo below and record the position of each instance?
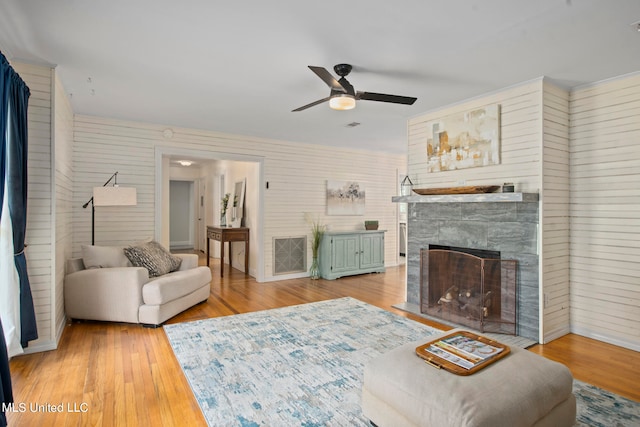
(345, 198)
(464, 140)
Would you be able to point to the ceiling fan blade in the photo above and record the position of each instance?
(327, 78)
(395, 99)
(304, 107)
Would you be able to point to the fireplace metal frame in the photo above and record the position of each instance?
(469, 290)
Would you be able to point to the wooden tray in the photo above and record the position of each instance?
(472, 189)
(485, 352)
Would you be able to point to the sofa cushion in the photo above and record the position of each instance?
(154, 257)
(104, 257)
(175, 285)
(189, 261)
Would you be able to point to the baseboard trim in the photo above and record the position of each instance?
(40, 347)
(589, 333)
(286, 276)
(60, 330)
(555, 334)
(180, 246)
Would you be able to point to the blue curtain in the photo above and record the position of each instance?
(5, 82)
(6, 393)
(16, 157)
(14, 100)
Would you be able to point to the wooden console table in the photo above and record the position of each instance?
(228, 234)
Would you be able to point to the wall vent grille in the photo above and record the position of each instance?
(289, 255)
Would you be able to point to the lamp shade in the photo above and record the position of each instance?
(114, 196)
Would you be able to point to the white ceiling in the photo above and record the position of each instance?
(241, 66)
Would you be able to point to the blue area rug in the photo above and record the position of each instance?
(302, 365)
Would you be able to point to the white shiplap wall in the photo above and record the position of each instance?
(554, 213)
(534, 155)
(605, 211)
(296, 173)
(63, 161)
(40, 219)
(520, 115)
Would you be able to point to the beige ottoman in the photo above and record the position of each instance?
(522, 389)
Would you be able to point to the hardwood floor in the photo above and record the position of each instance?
(123, 374)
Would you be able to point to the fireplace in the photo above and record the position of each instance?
(486, 222)
(470, 287)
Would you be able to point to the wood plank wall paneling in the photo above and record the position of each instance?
(535, 156)
(40, 199)
(520, 113)
(605, 211)
(554, 217)
(296, 173)
(63, 161)
(604, 222)
(97, 154)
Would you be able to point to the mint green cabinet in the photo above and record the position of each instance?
(345, 253)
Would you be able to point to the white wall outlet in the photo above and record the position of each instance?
(461, 182)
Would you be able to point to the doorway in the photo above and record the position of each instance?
(181, 215)
(205, 204)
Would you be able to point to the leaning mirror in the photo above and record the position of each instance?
(237, 211)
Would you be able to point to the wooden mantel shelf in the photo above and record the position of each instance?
(468, 198)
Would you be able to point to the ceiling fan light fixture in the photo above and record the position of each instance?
(343, 96)
(342, 102)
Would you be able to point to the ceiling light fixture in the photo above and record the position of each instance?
(342, 102)
(185, 162)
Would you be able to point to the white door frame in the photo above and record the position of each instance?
(257, 237)
(201, 227)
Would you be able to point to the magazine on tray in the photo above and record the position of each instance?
(463, 351)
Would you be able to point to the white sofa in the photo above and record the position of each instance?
(119, 292)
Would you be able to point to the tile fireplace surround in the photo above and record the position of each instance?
(505, 222)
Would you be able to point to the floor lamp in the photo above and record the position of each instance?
(109, 196)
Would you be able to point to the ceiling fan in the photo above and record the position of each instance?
(343, 96)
